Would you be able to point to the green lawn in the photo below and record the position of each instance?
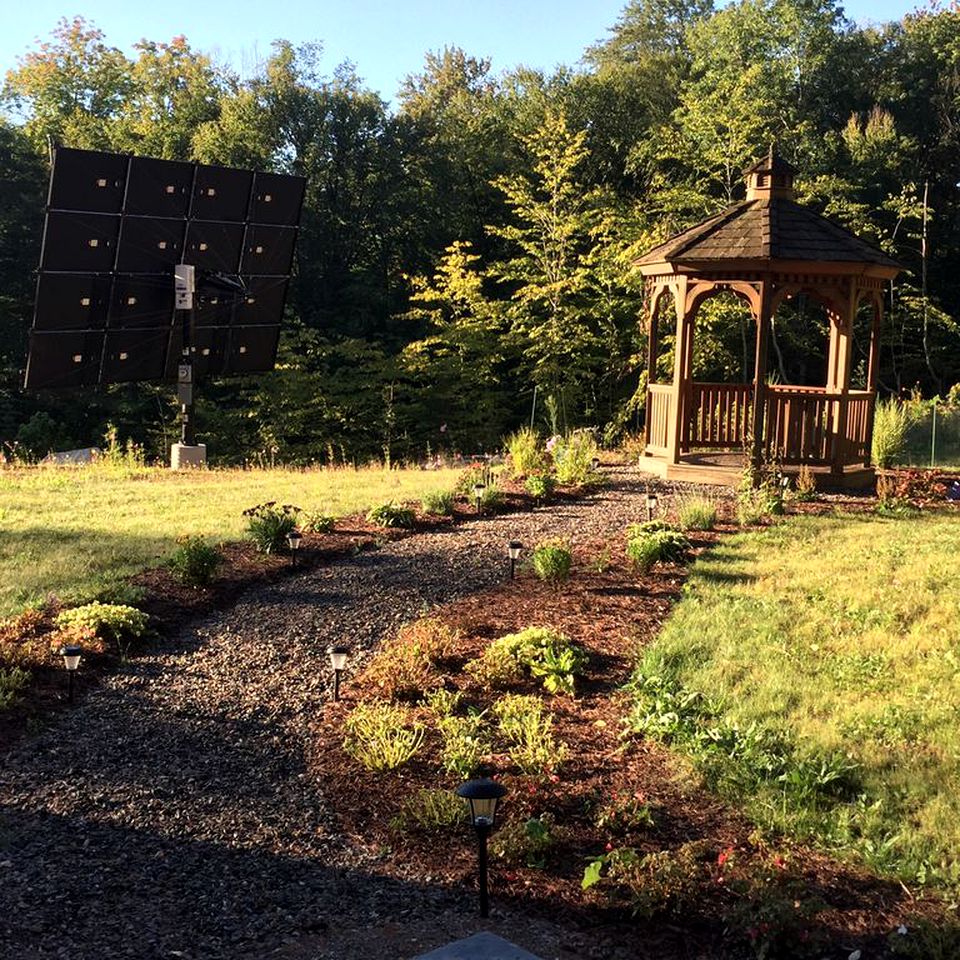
(77, 531)
(812, 672)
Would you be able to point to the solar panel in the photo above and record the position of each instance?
(117, 227)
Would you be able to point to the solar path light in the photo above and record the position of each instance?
(652, 501)
(595, 464)
(338, 663)
(513, 550)
(482, 797)
(294, 539)
(479, 489)
(71, 662)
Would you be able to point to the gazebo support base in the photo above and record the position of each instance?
(726, 470)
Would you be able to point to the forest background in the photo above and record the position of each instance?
(474, 244)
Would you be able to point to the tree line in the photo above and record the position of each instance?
(465, 256)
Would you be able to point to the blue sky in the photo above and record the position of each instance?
(386, 41)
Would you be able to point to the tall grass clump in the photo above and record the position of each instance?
(697, 512)
(890, 423)
(526, 454)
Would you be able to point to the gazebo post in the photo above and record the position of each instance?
(681, 374)
(838, 374)
(762, 317)
(873, 367)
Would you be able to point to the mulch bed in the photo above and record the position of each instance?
(612, 612)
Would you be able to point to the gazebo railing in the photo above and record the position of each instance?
(814, 426)
(719, 414)
(659, 405)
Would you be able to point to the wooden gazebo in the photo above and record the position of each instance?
(765, 249)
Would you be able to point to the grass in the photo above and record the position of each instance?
(820, 650)
(78, 532)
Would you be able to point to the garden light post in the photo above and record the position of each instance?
(482, 797)
(71, 662)
(478, 491)
(513, 549)
(294, 537)
(338, 661)
(652, 501)
(595, 464)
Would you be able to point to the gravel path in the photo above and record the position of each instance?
(170, 814)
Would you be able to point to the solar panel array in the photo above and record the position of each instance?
(116, 227)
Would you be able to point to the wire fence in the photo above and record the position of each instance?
(933, 435)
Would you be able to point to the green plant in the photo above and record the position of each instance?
(111, 621)
(644, 550)
(697, 512)
(924, 939)
(624, 813)
(891, 421)
(269, 523)
(464, 743)
(382, 736)
(194, 561)
(526, 455)
(648, 526)
(527, 843)
(806, 485)
(540, 485)
(573, 457)
(536, 651)
(317, 522)
(438, 503)
(429, 810)
(13, 681)
(442, 702)
(530, 734)
(551, 560)
(667, 881)
(405, 665)
(390, 515)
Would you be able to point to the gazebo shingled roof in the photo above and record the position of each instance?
(765, 249)
(770, 226)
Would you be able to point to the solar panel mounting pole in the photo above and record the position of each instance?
(187, 452)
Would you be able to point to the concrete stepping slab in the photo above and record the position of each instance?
(481, 946)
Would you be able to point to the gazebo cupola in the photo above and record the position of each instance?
(764, 249)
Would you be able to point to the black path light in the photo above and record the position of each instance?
(479, 489)
(595, 464)
(652, 501)
(513, 550)
(338, 663)
(482, 797)
(71, 662)
(294, 539)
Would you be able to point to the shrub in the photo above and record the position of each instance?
(526, 843)
(269, 523)
(390, 515)
(551, 560)
(667, 881)
(526, 455)
(697, 513)
(644, 550)
(317, 522)
(474, 474)
(111, 621)
(405, 665)
(13, 681)
(573, 457)
(540, 485)
(25, 640)
(648, 526)
(532, 745)
(438, 503)
(537, 652)
(429, 810)
(624, 813)
(464, 743)
(890, 422)
(442, 702)
(382, 736)
(194, 561)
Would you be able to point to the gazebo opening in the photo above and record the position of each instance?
(764, 337)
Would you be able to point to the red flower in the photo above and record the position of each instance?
(608, 847)
(724, 856)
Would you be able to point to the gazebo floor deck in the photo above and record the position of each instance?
(725, 468)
